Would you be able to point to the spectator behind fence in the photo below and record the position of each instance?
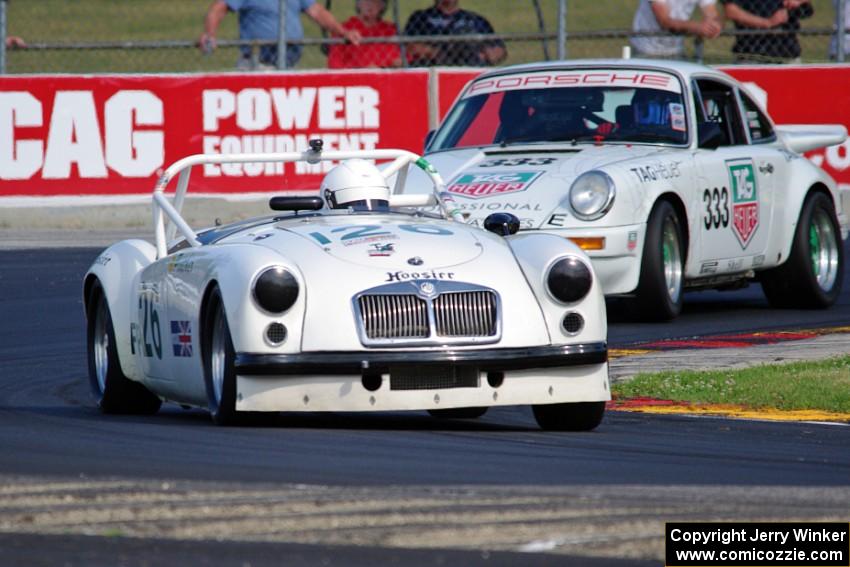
(260, 20)
(833, 44)
(653, 16)
(446, 18)
(369, 23)
(15, 42)
(782, 15)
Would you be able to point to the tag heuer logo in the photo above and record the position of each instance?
(745, 203)
(476, 185)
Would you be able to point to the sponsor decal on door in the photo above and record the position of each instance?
(745, 204)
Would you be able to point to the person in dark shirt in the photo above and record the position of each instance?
(767, 14)
(446, 18)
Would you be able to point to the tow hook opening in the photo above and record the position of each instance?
(372, 381)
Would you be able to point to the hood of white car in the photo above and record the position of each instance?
(340, 255)
(390, 242)
(529, 182)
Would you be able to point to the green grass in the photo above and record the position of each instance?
(822, 385)
(67, 21)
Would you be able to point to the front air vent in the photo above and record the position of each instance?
(466, 314)
(394, 316)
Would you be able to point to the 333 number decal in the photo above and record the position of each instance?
(517, 161)
(716, 208)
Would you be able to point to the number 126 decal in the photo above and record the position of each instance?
(349, 233)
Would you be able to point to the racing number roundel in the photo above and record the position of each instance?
(745, 204)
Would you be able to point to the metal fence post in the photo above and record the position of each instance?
(281, 37)
(2, 37)
(398, 30)
(562, 29)
(840, 30)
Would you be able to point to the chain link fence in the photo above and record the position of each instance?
(132, 36)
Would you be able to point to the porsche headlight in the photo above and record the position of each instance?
(591, 195)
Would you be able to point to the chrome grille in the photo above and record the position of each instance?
(394, 316)
(426, 312)
(466, 314)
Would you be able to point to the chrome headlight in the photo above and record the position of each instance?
(591, 195)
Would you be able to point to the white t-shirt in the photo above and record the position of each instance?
(645, 22)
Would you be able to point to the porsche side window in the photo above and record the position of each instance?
(719, 107)
(756, 122)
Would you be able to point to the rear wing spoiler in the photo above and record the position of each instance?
(163, 208)
(802, 138)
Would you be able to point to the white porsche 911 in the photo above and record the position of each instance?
(670, 175)
(351, 300)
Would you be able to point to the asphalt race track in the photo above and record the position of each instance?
(79, 488)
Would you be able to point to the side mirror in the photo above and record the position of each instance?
(428, 137)
(710, 135)
(503, 224)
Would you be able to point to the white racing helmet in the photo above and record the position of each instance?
(357, 184)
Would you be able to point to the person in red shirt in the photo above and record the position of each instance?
(369, 23)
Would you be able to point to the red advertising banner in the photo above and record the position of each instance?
(84, 135)
(113, 134)
(792, 95)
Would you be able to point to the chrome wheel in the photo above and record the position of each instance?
(823, 250)
(101, 345)
(218, 355)
(672, 259)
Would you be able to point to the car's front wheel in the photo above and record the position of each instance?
(660, 288)
(577, 416)
(218, 358)
(115, 393)
(812, 276)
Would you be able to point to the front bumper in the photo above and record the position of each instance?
(617, 267)
(337, 381)
(488, 360)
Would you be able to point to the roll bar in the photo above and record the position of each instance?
(163, 208)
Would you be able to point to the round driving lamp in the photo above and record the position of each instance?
(591, 195)
(275, 290)
(569, 279)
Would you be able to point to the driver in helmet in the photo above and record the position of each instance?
(356, 184)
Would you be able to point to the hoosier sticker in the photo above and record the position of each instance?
(477, 185)
(745, 204)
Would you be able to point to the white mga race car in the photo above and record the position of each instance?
(348, 301)
(670, 175)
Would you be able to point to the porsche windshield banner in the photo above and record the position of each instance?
(113, 134)
(563, 79)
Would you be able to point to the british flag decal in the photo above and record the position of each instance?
(181, 338)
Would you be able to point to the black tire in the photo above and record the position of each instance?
(218, 359)
(114, 392)
(458, 413)
(812, 276)
(661, 286)
(578, 416)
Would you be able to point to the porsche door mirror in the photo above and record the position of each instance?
(503, 224)
(711, 135)
(428, 137)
